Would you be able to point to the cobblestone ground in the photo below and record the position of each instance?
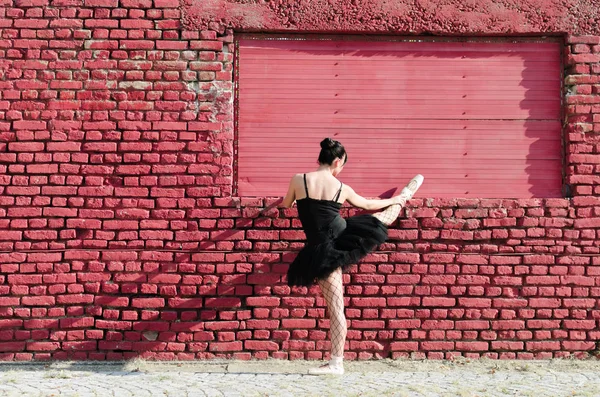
(283, 378)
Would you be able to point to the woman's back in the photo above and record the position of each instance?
(318, 185)
(318, 214)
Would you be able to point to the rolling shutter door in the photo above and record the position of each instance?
(477, 119)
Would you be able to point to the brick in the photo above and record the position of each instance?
(82, 255)
(577, 345)
(158, 326)
(11, 235)
(206, 45)
(42, 346)
(222, 325)
(75, 299)
(112, 301)
(204, 126)
(9, 301)
(542, 346)
(472, 325)
(147, 302)
(193, 327)
(263, 301)
(121, 225)
(472, 346)
(12, 346)
(265, 324)
(297, 323)
(260, 345)
(29, 125)
(222, 302)
(404, 346)
(63, 146)
(22, 279)
(368, 302)
(185, 303)
(440, 345)
(26, 146)
(113, 325)
(368, 324)
(208, 257)
(10, 323)
(38, 300)
(538, 260)
(587, 223)
(579, 324)
(13, 257)
(41, 324)
(80, 346)
(83, 322)
(508, 324)
(583, 39)
(439, 301)
(507, 345)
(225, 346)
(96, 191)
(544, 302)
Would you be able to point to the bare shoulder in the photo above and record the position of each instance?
(296, 178)
(348, 189)
(347, 192)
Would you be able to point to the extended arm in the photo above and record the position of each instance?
(366, 204)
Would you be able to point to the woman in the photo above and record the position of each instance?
(332, 243)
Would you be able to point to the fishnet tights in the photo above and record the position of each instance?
(333, 291)
(390, 214)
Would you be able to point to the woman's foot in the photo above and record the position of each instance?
(410, 189)
(335, 366)
(327, 369)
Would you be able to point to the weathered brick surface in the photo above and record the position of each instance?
(119, 235)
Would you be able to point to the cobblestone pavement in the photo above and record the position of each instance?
(283, 378)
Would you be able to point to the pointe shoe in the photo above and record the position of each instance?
(411, 188)
(327, 369)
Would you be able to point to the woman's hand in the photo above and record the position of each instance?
(399, 199)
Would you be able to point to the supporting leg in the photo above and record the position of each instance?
(333, 292)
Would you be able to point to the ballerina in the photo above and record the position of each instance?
(332, 242)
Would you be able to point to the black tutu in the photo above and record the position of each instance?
(338, 244)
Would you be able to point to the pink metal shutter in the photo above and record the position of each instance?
(477, 119)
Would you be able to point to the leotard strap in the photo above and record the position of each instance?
(337, 195)
(306, 187)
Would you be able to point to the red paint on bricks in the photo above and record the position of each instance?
(120, 238)
(449, 17)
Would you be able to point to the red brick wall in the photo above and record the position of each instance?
(119, 236)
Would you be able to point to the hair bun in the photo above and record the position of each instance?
(327, 143)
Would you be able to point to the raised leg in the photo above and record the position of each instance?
(390, 214)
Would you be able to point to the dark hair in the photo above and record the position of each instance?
(331, 150)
